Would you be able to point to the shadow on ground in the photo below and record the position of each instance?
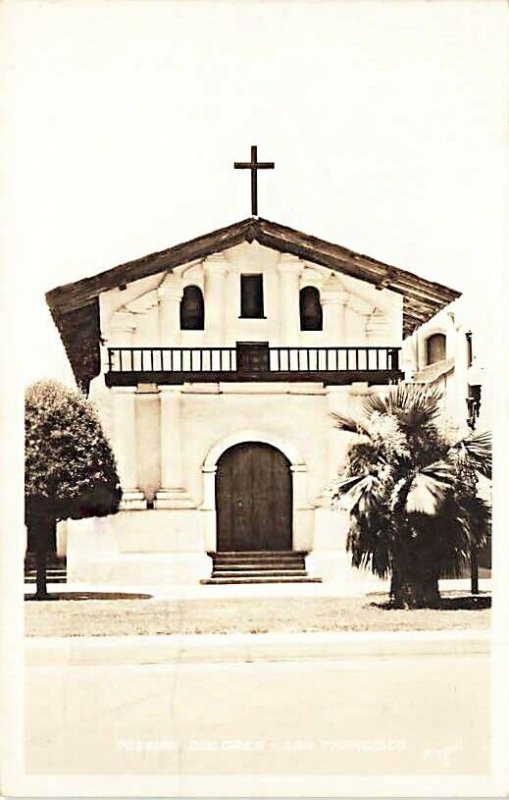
(469, 603)
(92, 596)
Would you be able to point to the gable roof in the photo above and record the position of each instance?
(75, 306)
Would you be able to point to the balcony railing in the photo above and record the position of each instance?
(252, 361)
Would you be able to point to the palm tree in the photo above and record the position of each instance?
(411, 488)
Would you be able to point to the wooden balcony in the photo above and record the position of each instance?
(252, 361)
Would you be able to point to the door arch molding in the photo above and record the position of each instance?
(251, 435)
(298, 470)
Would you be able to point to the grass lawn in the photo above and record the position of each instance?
(120, 617)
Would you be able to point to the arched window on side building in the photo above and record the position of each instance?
(435, 348)
(311, 318)
(192, 313)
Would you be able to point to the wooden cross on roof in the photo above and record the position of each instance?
(254, 165)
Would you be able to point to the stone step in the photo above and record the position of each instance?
(267, 579)
(259, 564)
(259, 554)
(269, 573)
(54, 574)
(48, 569)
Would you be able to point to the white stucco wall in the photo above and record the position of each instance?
(134, 316)
(299, 414)
(296, 419)
(165, 437)
(209, 418)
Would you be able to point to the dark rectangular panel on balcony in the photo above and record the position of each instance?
(252, 361)
(252, 358)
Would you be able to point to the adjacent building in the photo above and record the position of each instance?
(451, 351)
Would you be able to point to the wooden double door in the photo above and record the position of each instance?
(253, 499)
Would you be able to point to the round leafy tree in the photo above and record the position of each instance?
(411, 489)
(70, 469)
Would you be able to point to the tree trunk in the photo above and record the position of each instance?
(414, 591)
(41, 528)
(474, 570)
(32, 539)
(40, 561)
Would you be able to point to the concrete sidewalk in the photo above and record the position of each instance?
(202, 592)
(308, 717)
(220, 648)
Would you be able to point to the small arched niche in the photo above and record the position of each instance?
(435, 348)
(311, 316)
(192, 311)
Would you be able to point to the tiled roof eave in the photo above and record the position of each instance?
(78, 301)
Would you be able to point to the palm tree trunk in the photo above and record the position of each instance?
(412, 591)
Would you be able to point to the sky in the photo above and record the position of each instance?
(387, 122)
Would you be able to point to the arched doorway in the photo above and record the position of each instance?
(253, 499)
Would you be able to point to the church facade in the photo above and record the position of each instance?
(216, 366)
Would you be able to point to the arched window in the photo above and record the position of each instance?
(435, 348)
(310, 309)
(191, 309)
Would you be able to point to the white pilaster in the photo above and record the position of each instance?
(289, 270)
(209, 487)
(215, 268)
(334, 323)
(208, 506)
(300, 499)
(170, 294)
(337, 443)
(172, 493)
(124, 445)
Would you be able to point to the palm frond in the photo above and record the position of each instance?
(476, 449)
(441, 471)
(346, 423)
(366, 457)
(415, 406)
(346, 485)
(400, 492)
(423, 490)
(368, 542)
(425, 496)
(419, 407)
(475, 517)
(362, 493)
(376, 404)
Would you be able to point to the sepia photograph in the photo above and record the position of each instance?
(254, 340)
